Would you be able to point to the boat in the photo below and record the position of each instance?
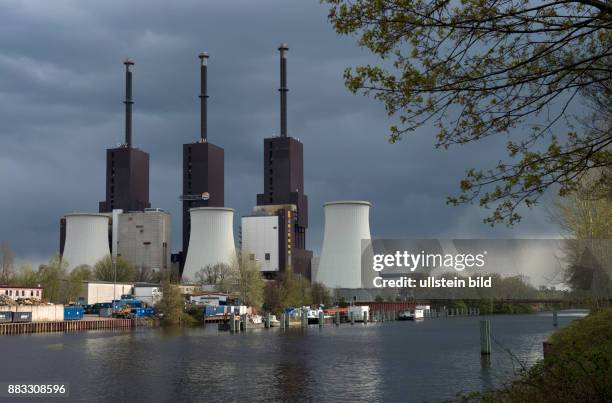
(273, 321)
(313, 315)
(405, 315)
(410, 314)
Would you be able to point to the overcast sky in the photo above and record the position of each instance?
(61, 91)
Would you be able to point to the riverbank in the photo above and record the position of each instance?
(576, 368)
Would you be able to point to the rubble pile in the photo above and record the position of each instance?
(8, 301)
(5, 300)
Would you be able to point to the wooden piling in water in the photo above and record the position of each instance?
(555, 319)
(485, 337)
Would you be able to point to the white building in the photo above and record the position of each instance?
(209, 298)
(94, 292)
(347, 223)
(15, 293)
(260, 238)
(143, 238)
(211, 239)
(86, 239)
(151, 294)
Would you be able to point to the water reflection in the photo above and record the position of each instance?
(397, 361)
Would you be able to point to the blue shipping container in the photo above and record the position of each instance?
(73, 313)
(6, 317)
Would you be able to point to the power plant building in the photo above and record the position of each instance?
(283, 194)
(261, 235)
(211, 240)
(347, 223)
(86, 240)
(203, 166)
(143, 238)
(127, 168)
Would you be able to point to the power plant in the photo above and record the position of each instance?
(86, 239)
(347, 223)
(273, 235)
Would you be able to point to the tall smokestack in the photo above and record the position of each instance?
(128, 102)
(203, 96)
(283, 87)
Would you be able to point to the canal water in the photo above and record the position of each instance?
(431, 360)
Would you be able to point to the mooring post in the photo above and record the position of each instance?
(232, 324)
(282, 321)
(337, 318)
(268, 320)
(365, 317)
(304, 319)
(244, 321)
(485, 337)
(321, 318)
(352, 317)
(555, 319)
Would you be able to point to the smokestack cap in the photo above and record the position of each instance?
(203, 58)
(283, 46)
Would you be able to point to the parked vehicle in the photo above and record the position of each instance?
(129, 302)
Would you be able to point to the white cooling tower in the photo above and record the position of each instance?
(346, 224)
(211, 239)
(86, 239)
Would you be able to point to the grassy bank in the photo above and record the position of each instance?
(578, 368)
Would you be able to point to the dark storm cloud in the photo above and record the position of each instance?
(61, 86)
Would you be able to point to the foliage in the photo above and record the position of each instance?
(171, 305)
(586, 219)
(480, 68)
(26, 276)
(578, 368)
(7, 262)
(52, 276)
(288, 290)
(74, 283)
(244, 278)
(320, 294)
(104, 270)
(212, 274)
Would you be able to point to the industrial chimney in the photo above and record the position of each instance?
(283, 88)
(203, 96)
(128, 102)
